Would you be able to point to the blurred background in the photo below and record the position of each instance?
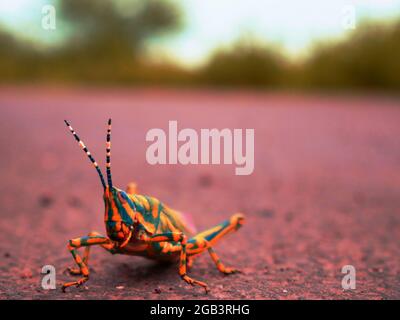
(319, 83)
(258, 44)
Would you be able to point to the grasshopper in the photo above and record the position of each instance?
(140, 225)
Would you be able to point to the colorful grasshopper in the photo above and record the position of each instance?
(143, 226)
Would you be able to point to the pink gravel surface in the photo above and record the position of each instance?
(325, 192)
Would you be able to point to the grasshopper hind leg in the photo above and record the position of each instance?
(208, 238)
(221, 267)
(175, 242)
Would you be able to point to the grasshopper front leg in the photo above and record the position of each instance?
(85, 259)
(93, 239)
(182, 240)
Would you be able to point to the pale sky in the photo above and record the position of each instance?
(293, 24)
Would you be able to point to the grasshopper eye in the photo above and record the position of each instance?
(121, 198)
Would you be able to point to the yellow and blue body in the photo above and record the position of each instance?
(143, 226)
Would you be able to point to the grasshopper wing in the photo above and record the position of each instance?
(181, 221)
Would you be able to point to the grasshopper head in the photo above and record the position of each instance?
(120, 213)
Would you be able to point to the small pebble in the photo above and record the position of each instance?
(75, 202)
(45, 201)
(26, 274)
(120, 287)
(205, 181)
(266, 213)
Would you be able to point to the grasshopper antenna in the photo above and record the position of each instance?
(85, 149)
(108, 153)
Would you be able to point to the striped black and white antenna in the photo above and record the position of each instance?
(85, 149)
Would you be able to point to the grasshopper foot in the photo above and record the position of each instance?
(192, 282)
(230, 271)
(74, 283)
(74, 271)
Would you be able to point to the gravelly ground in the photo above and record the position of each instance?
(325, 192)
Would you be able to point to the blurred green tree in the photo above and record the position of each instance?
(106, 39)
(104, 42)
(246, 63)
(103, 27)
(367, 59)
